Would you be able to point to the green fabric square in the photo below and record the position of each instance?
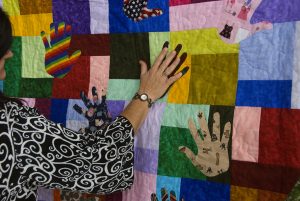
(213, 79)
(33, 58)
(156, 41)
(171, 161)
(13, 69)
(35, 88)
(177, 115)
(126, 51)
(121, 89)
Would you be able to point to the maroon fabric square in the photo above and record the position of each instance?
(279, 137)
(76, 81)
(44, 106)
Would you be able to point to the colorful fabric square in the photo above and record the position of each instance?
(276, 11)
(35, 6)
(156, 39)
(179, 2)
(197, 190)
(45, 194)
(91, 44)
(11, 7)
(263, 51)
(68, 12)
(99, 11)
(35, 88)
(58, 63)
(59, 110)
(122, 89)
(148, 134)
(76, 81)
(123, 63)
(33, 58)
(264, 93)
(265, 177)
(13, 68)
(295, 193)
(171, 162)
(29, 101)
(296, 70)
(1, 85)
(176, 115)
(72, 114)
(245, 133)
(146, 160)
(218, 73)
(43, 105)
(144, 184)
(120, 23)
(31, 25)
(115, 108)
(169, 184)
(279, 137)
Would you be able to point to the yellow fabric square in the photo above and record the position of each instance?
(213, 79)
(179, 92)
(241, 193)
(31, 25)
(203, 41)
(33, 58)
(11, 7)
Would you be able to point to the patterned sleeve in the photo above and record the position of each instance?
(53, 156)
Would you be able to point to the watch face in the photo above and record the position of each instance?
(144, 97)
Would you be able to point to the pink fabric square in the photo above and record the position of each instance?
(245, 134)
(179, 2)
(29, 101)
(144, 185)
(99, 74)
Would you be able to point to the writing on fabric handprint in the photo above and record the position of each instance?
(97, 112)
(234, 24)
(58, 62)
(165, 196)
(137, 10)
(212, 158)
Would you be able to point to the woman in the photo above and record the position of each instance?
(37, 152)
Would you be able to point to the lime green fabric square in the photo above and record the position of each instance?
(13, 69)
(213, 79)
(35, 88)
(122, 89)
(11, 7)
(33, 58)
(177, 115)
(171, 161)
(156, 41)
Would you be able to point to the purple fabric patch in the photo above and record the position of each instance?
(115, 108)
(45, 194)
(277, 11)
(145, 160)
(73, 12)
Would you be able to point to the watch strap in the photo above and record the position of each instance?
(149, 100)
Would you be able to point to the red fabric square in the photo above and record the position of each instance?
(279, 137)
(44, 106)
(76, 81)
(91, 44)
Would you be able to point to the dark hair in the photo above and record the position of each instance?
(5, 44)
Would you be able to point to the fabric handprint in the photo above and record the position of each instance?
(234, 22)
(58, 62)
(137, 10)
(165, 196)
(212, 158)
(97, 112)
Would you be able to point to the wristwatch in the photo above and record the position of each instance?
(143, 97)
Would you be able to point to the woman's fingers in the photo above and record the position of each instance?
(160, 58)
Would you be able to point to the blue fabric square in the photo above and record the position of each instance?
(198, 190)
(264, 93)
(269, 54)
(120, 23)
(170, 184)
(59, 110)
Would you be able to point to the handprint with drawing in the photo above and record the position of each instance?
(137, 10)
(212, 158)
(58, 62)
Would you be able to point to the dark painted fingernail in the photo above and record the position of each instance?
(178, 48)
(166, 44)
(184, 70)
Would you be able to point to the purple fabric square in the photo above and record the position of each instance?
(115, 108)
(145, 160)
(73, 12)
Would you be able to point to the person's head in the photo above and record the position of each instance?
(5, 41)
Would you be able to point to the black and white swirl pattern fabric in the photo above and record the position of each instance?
(37, 152)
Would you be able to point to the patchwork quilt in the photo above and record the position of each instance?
(227, 131)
